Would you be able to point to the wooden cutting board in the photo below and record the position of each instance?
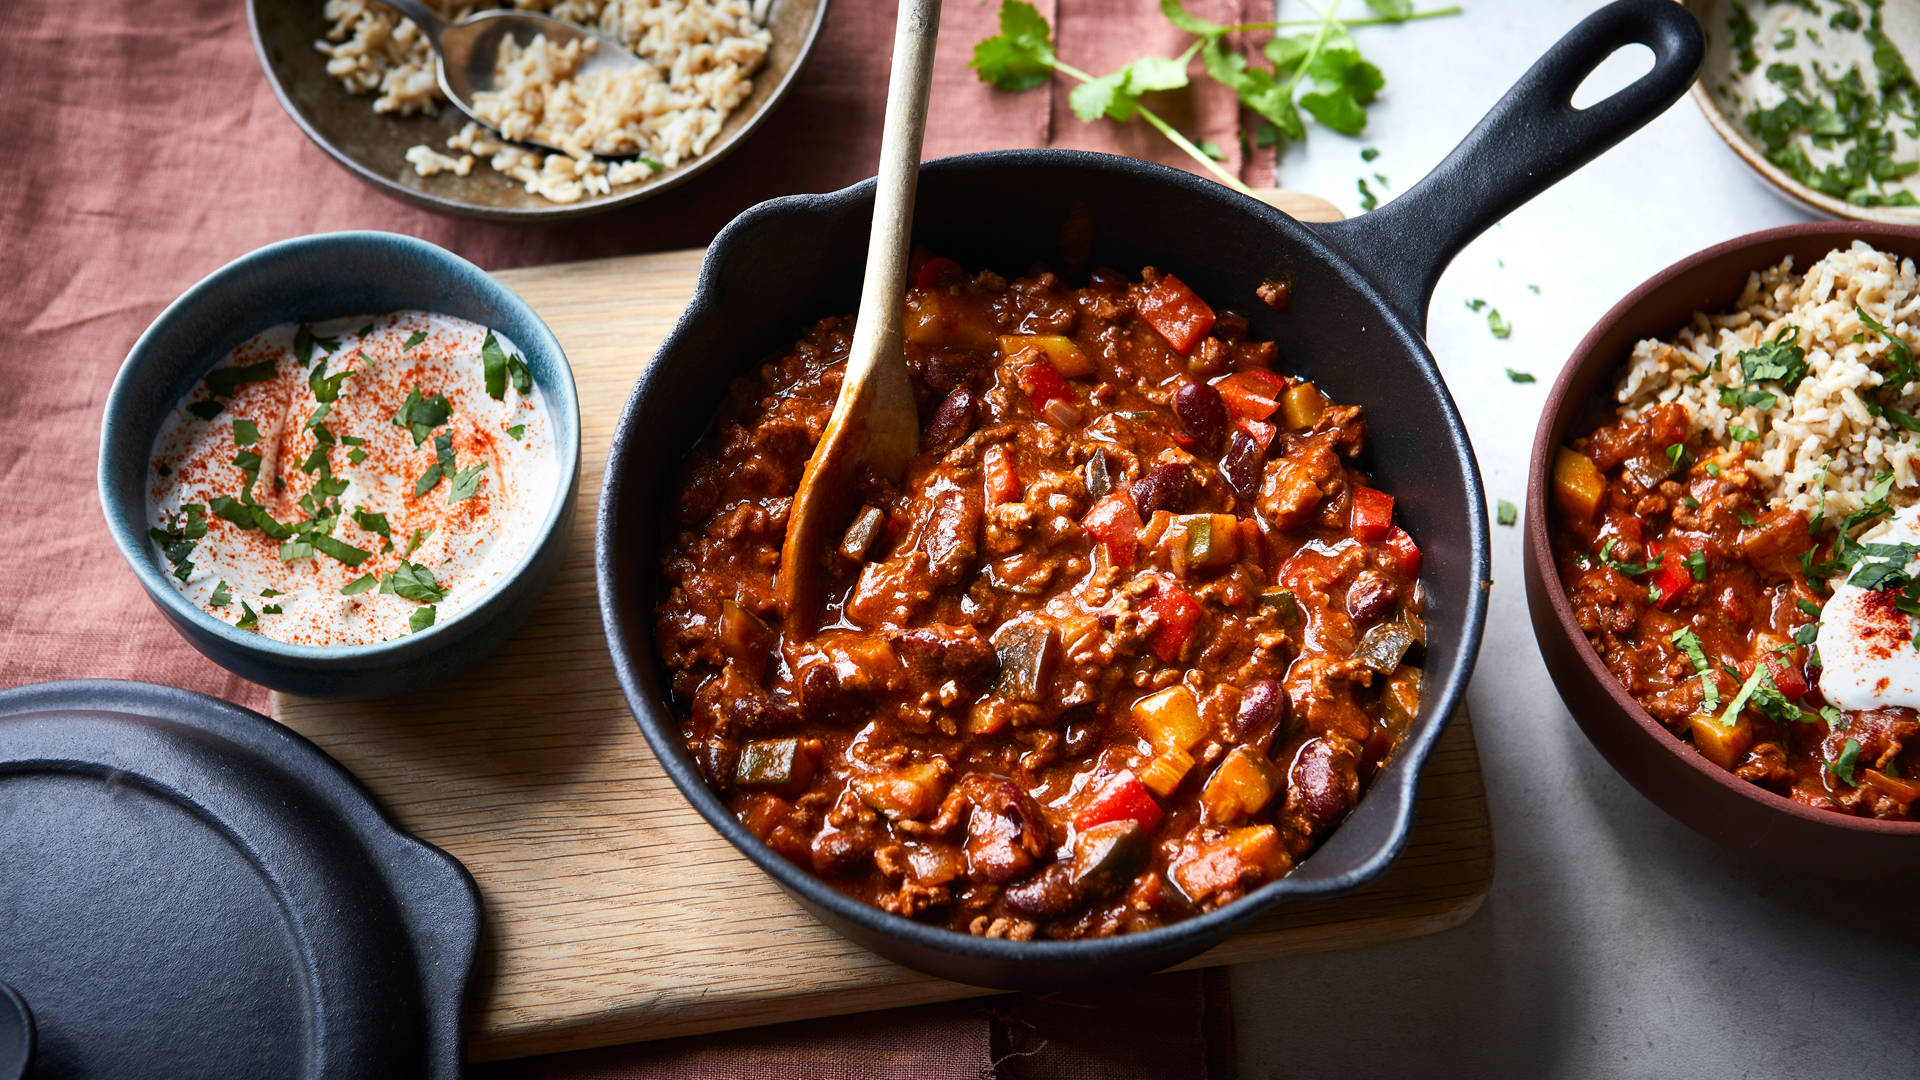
(613, 912)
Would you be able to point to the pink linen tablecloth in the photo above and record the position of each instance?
(144, 149)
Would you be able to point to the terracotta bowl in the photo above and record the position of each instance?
(1666, 769)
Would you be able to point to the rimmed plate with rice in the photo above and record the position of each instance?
(1737, 530)
(360, 81)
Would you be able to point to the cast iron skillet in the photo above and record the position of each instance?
(1360, 293)
(1743, 816)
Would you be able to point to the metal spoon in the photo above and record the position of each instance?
(468, 50)
(874, 421)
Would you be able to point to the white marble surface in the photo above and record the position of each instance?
(1615, 942)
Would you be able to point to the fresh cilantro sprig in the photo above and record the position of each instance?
(1320, 71)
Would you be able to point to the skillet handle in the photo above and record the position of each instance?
(1531, 140)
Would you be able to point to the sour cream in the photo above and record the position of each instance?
(1866, 643)
(410, 542)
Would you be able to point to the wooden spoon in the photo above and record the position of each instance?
(875, 421)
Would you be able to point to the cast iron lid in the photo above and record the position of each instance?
(189, 889)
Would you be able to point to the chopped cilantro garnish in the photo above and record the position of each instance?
(413, 339)
(1520, 376)
(1476, 305)
(1808, 608)
(1688, 642)
(422, 414)
(270, 609)
(326, 388)
(1506, 513)
(1843, 765)
(206, 410)
(222, 382)
(245, 433)
(357, 455)
(221, 596)
(1498, 325)
(493, 361)
(1736, 398)
(363, 331)
(339, 549)
(295, 549)
(359, 585)
(421, 619)
(373, 523)
(1741, 433)
(1697, 565)
(249, 619)
(1713, 468)
(1904, 369)
(1747, 690)
(413, 582)
(419, 537)
(517, 431)
(519, 375)
(1627, 568)
(466, 483)
(1780, 360)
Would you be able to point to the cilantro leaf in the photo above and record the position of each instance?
(326, 387)
(1688, 642)
(1520, 376)
(419, 537)
(1181, 19)
(421, 619)
(249, 619)
(1498, 325)
(413, 339)
(1904, 370)
(359, 585)
(493, 361)
(420, 414)
(519, 375)
(270, 609)
(303, 344)
(373, 523)
(1780, 360)
(206, 410)
(1021, 57)
(466, 483)
(413, 582)
(1395, 10)
(1506, 513)
(221, 596)
(339, 549)
(222, 382)
(1843, 765)
(245, 433)
(517, 431)
(1346, 85)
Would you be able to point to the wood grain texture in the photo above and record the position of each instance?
(613, 912)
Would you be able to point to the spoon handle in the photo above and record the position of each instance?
(423, 17)
(876, 349)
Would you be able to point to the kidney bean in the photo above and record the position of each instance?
(1263, 711)
(1204, 414)
(1371, 597)
(1241, 466)
(1165, 487)
(950, 423)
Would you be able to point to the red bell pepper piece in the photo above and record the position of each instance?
(1789, 680)
(1116, 524)
(1124, 798)
(1178, 613)
(1002, 482)
(1405, 555)
(1043, 384)
(929, 270)
(1269, 384)
(1372, 513)
(1245, 398)
(1259, 430)
(1174, 310)
(1672, 576)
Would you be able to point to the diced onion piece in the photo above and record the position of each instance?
(1163, 774)
(1061, 413)
(1383, 646)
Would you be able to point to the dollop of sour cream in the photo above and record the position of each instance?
(1866, 642)
(365, 527)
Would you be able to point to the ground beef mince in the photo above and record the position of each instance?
(1126, 642)
(1703, 598)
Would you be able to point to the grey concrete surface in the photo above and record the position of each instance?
(1616, 942)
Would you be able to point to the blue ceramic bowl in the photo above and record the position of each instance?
(306, 280)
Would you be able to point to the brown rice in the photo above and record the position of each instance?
(697, 61)
(1821, 446)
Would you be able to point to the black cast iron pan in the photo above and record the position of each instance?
(1360, 290)
(188, 889)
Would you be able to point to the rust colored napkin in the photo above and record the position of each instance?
(144, 149)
